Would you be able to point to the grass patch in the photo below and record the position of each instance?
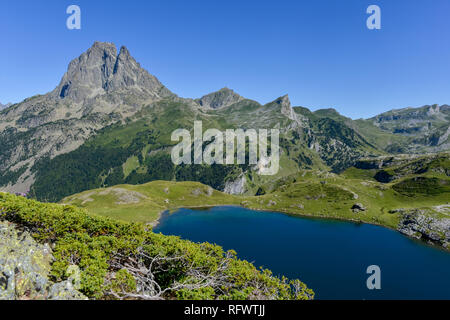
(144, 203)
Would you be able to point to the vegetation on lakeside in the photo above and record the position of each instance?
(419, 183)
(121, 260)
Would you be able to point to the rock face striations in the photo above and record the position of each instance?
(100, 71)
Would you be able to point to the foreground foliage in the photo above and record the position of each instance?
(125, 261)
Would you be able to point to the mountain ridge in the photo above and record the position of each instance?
(103, 88)
(4, 106)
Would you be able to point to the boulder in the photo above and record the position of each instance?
(25, 266)
(358, 207)
(64, 291)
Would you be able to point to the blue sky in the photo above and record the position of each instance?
(319, 52)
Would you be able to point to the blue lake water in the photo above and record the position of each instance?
(331, 257)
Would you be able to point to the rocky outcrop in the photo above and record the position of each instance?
(286, 107)
(237, 186)
(206, 191)
(412, 116)
(421, 224)
(358, 207)
(376, 163)
(25, 267)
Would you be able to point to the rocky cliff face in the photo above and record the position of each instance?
(421, 224)
(100, 70)
(237, 186)
(25, 268)
(286, 107)
(427, 126)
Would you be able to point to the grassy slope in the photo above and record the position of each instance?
(151, 200)
(408, 130)
(373, 134)
(310, 193)
(332, 196)
(125, 153)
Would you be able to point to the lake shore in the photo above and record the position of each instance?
(155, 223)
(306, 247)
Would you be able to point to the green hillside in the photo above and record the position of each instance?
(138, 150)
(144, 203)
(355, 195)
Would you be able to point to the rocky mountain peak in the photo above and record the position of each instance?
(101, 70)
(103, 45)
(286, 107)
(220, 99)
(284, 101)
(124, 51)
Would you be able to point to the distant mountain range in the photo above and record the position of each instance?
(109, 121)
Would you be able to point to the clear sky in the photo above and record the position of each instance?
(320, 52)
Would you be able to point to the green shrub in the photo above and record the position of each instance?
(104, 249)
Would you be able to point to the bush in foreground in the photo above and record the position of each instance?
(119, 260)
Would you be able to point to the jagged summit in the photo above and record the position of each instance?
(284, 101)
(106, 86)
(220, 99)
(101, 87)
(101, 70)
(286, 107)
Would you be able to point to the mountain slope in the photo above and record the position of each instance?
(408, 130)
(144, 203)
(414, 200)
(99, 88)
(427, 128)
(138, 150)
(109, 122)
